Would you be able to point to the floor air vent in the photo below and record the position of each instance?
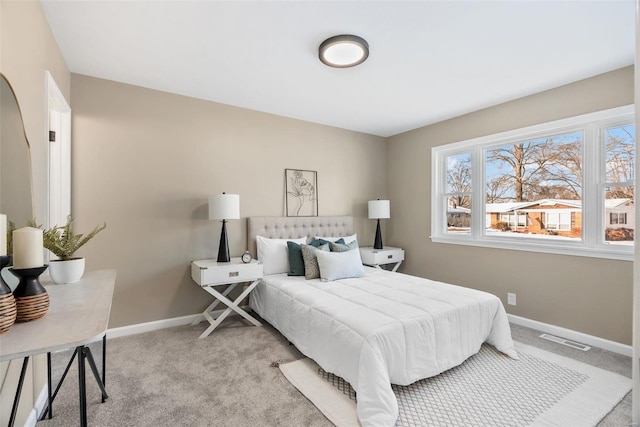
(566, 342)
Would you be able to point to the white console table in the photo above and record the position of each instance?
(78, 315)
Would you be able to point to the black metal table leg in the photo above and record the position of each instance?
(16, 399)
(64, 375)
(94, 369)
(84, 355)
(49, 398)
(104, 362)
(82, 386)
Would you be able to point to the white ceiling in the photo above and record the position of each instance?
(429, 60)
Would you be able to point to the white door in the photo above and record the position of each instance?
(59, 156)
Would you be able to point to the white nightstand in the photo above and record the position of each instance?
(378, 257)
(210, 273)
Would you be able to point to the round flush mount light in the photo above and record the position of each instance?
(343, 51)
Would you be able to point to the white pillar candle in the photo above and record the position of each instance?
(28, 248)
(3, 234)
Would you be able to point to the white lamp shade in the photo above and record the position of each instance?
(224, 206)
(379, 209)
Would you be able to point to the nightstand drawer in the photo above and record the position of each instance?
(208, 272)
(381, 256)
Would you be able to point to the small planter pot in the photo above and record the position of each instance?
(68, 271)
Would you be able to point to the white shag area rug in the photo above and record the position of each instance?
(488, 389)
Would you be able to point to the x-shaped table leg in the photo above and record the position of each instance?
(232, 306)
(213, 304)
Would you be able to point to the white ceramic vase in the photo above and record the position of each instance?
(68, 271)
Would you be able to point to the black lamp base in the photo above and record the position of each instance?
(223, 249)
(378, 241)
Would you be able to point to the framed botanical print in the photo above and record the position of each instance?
(301, 192)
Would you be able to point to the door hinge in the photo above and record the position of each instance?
(52, 136)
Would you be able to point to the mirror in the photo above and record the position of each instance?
(16, 199)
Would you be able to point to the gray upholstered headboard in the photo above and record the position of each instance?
(282, 227)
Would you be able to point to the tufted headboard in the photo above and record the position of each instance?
(282, 227)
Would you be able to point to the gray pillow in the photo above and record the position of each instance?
(338, 247)
(311, 269)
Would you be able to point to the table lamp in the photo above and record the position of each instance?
(378, 209)
(224, 206)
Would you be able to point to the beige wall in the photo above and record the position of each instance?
(27, 50)
(589, 295)
(146, 161)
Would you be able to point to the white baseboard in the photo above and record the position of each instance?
(38, 408)
(591, 340)
(139, 328)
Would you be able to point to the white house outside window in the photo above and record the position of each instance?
(561, 187)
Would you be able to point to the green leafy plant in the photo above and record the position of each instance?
(61, 240)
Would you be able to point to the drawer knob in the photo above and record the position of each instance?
(389, 256)
(234, 273)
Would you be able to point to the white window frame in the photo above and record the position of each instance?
(592, 243)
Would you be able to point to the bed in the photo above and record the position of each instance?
(378, 329)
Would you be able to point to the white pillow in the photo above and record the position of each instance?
(273, 253)
(339, 265)
(347, 239)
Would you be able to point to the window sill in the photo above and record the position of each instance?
(620, 253)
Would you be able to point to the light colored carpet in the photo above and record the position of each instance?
(489, 389)
(171, 378)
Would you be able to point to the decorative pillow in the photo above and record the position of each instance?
(296, 263)
(309, 253)
(339, 265)
(273, 254)
(338, 247)
(346, 239)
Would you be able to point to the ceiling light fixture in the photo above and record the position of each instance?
(343, 51)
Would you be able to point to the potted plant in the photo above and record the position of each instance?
(63, 243)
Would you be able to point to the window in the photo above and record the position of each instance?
(458, 193)
(562, 187)
(558, 221)
(617, 218)
(619, 176)
(510, 219)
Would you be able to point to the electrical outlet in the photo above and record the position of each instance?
(511, 298)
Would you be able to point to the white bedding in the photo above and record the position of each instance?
(382, 328)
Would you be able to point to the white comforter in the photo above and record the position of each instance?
(381, 329)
